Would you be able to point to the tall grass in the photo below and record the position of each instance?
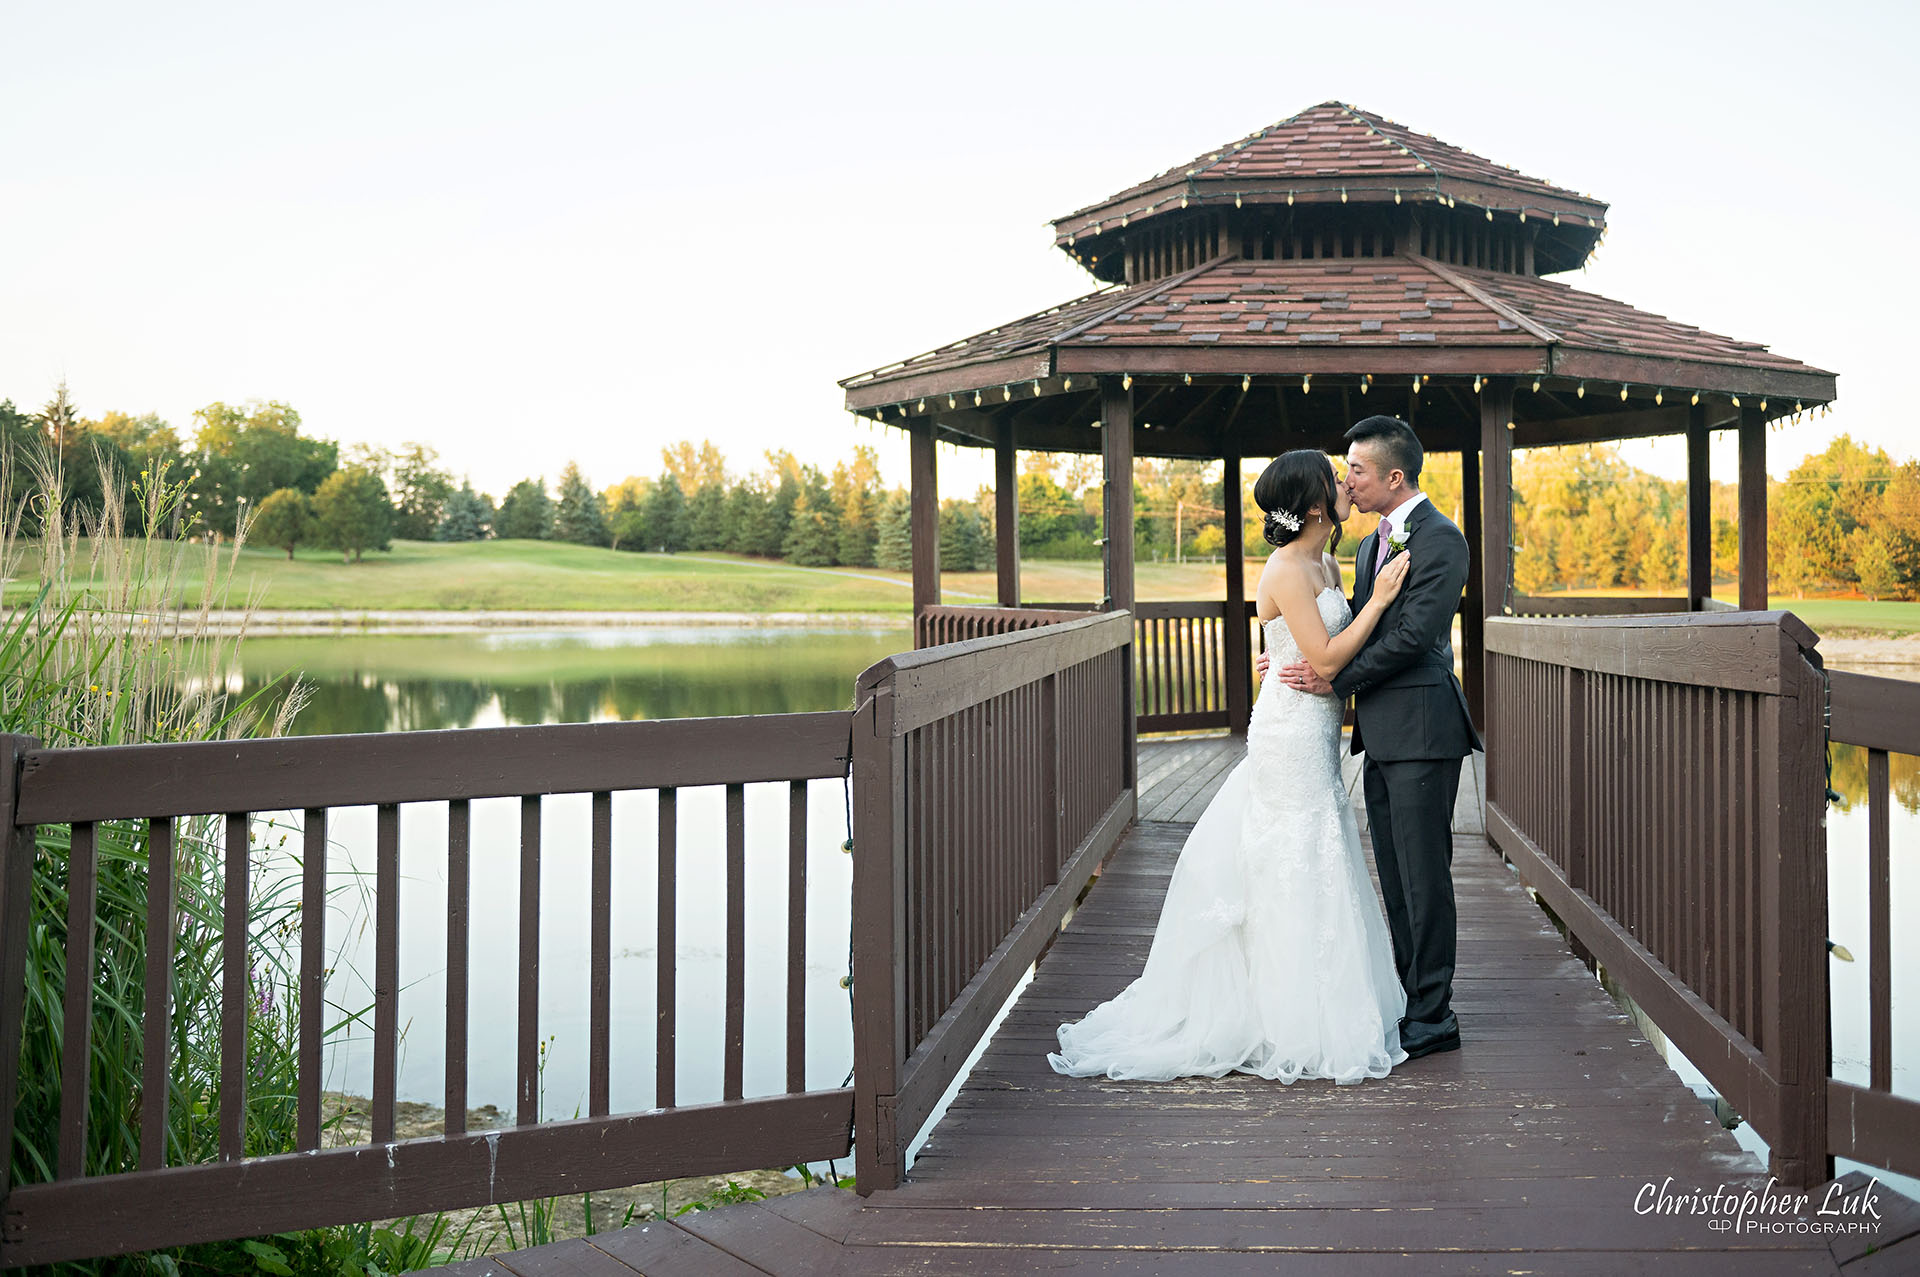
(100, 655)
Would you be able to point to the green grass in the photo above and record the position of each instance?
(554, 576)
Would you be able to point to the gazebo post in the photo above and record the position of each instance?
(1753, 510)
(924, 520)
(1236, 646)
(1473, 621)
(1496, 497)
(1699, 512)
(1116, 505)
(1006, 517)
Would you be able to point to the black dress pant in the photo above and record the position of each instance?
(1410, 817)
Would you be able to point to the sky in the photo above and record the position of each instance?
(539, 233)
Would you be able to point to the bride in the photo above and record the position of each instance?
(1272, 955)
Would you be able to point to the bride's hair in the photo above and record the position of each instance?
(1294, 483)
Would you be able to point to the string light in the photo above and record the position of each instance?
(976, 399)
(1536, 385)
(1556, 219)
(1343, 195)
(1246, 383)
(1581, 391)
(1696, 399)
(1736, 401)
(1797, 407)
(1396, 195)
(950, 401)
(1623, 394)
(1036, 385)
(1126, 381)
(1183, 201)
(1416, 383)
(1067, 384)
(923, 406)
(1523, 217)
(1763, 405)
(1070, 241)
(902, 408)
(1366, 382)
(1489, 215)
(1236, 199)
(1306, 384)
(1289, 199)
(1187, 377)
(1476, 384)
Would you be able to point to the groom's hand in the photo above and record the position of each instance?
(1302, 677)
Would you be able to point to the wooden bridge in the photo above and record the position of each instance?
(1654, 780)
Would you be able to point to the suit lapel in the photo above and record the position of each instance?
(1363, 570)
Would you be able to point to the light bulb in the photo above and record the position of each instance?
(1581, 392)
(1476, 385)
(1623, 394)
(1246, 384)
(1306, 384)
(1536, 385)
(1126, 381)
(1659, 397)
(1187, 377)
(1236, 199)
(1067, 384)
(923, 405)
(1289, 199)
(1736, 401)
(1396, 195)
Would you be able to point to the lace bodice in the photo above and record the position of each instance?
(1280, 637)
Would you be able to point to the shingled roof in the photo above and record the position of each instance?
(1389, 315)
(1335, 151)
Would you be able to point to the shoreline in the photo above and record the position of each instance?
(320, 621)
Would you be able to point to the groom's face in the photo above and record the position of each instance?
(1369, 478)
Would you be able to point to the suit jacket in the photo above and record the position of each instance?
(1405, 695)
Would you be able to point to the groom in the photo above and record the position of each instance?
(1412, 714)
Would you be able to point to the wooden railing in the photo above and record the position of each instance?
(990, 779)
(1870, 1124)
(944, 624)
(1596, 605)
(155, 791)
(1659, 781)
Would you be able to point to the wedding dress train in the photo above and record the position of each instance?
(1272, 955)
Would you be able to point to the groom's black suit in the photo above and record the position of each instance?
(1411, 712)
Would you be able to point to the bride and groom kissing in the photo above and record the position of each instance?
(1272, 956)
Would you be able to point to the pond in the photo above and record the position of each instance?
(372, 683)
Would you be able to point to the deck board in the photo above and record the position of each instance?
(1522, 1150)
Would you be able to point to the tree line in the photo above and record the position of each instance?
(1847, 518)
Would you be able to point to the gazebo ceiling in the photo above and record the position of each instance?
(1337, 154)
(1318, 330)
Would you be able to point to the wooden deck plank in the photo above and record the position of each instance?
(565, 1259)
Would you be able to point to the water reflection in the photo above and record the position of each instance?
(399, 682)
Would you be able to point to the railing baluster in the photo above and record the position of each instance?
(157, 1014)
(527, 1092)
(666, 943)
(386, 970)
(600, 960)
(76, 1042)
(1879, 925)
(17, 851)
(797, 936)
(459, 889)
(313, 967)
(736, 941)
(233, 992)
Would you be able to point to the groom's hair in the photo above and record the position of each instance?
(1397, 443)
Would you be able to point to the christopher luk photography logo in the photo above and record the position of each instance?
(1749, 1212)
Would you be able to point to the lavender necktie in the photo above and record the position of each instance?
(1380, 550)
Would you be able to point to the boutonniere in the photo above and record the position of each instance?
(1398, 541)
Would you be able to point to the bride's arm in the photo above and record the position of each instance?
(1296, 598)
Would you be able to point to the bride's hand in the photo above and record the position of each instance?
(1386, 586)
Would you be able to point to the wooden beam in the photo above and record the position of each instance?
(924, 519)
(1237, 647)
(907, 385)
(1699, 511)
(1473, 621)
(1627, 423)
(1116, 452)
(1006, 517)
(1783, 384)
(1496, 511)
(1753, 510)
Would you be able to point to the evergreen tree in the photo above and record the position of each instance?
(893, 547)
(859, 530)
(525, 512)
(707, 517)
(746, 510)
(664, 526)
(285, 519)
(420, 492)
(353, 512)
(464, 517)
(963, 538)
(809, 536)
(579, 518)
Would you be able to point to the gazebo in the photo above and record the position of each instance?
(1269, 293)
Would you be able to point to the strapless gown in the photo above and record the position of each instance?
(1272, 955)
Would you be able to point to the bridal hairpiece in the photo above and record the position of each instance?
(1284, 518)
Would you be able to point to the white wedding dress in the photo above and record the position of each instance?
(1272, 955)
